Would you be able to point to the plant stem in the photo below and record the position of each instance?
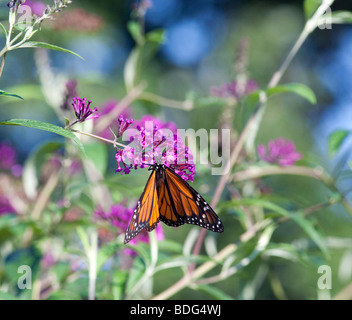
(2, 64)
(114, 143)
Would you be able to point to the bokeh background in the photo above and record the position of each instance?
(202, 37)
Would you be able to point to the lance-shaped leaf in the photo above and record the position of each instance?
(335, 141)
(4, 93)
(296, 88)
(35, 44)
(35, 124)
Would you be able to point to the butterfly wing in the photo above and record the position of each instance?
(146, 215)
(179, 203)
(169, 214)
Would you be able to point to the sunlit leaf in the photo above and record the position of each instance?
(296, 88)
(335, 140)
(156, 35)
(136, 31)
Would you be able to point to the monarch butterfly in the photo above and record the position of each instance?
(167, 197)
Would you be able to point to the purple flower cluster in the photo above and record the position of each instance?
(234, 89)
(124, 124)
(82, 109)
(280, 151)
(153, 141)
(119, 217)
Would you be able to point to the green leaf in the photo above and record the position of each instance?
(251, 101)
(132, 68)
(310, 230)
(4, 93)
(310, 6)
(297, 88)
(3, 29)
(338, 17)
(35, 44)
(135, 274)
(214, 292)
(157, 36)
(136, 31)
(28, 92)
(35, 124)
(286, 251)
(335, 141)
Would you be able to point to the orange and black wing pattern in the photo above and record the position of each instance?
(146, 215)
(167, 197)
(169, 214)
(179, 203)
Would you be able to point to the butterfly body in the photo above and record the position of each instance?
(168, 198)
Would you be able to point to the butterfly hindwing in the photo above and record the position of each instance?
(146, 214)
(185, 205)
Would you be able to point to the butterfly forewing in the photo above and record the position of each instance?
(186, 204)
(146, 214)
